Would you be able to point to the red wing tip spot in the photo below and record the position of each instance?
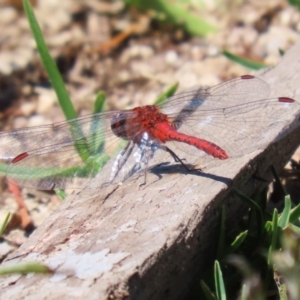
(19, 157)
(286, 100)
(247, 77)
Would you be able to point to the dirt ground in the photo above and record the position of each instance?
(106, 46)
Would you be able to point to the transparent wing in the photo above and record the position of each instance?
(66, 154)
(235, 115)
(189, 105)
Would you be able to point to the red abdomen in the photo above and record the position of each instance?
(149, 119)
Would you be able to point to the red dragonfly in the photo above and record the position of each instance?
(228, 120)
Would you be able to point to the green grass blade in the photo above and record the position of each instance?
(49, 64)
(94, 163)
(39, 173)
(247, 200)
(273, 244)
(251, 286)
(166, 94)
(99, 102)
(219, 282)
(61, 194)
(281, 52)
(285, 215)
(244, 292)
(278, 181)
(261, 198)
(295, 228)
(244, 62)
(238, 241)
(268, 227)
(25, 269)
(283, 292)
(3, 169)
(54, 76)
(4, 224)
(95, 144)
(251, 203)
(177, 15)
(209, 295)
(221, 239)
(295, 214)
(295, 3)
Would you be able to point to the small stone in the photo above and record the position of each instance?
(141, 51)
(197, 52)
(285, 17)
(37, 120)
(123, 75)
(6, 63)
(28, 108)
(209, 80)
(20, 122)
(26, 90)
(5, 249)
(171, 58)
(136, 51)
(213, 50)
(8, 15)
(22, 57)
(46, 100)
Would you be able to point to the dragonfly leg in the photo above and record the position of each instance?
(177, 159)
(121, 160)
(146, 154)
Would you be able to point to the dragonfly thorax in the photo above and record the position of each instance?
(133, 126)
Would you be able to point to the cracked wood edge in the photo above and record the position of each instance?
(146, 244)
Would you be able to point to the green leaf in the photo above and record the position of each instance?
(281, 52)
(88, 169)
(268, 226)
(238, 241)
(55, 77)
(61, 194)
(209, 295)
(244, 62)
(295, 214)
(247, 200)
(175, 14)
(219, 282)
(295, 228)
(49, 64)
(273, 244)
(251, 286)
(251, 203)
(3, 169)
(25, 269)
(295, 3)
(4, 224)
(278, 181)
(96, 144)
(283, 292)
(244, 292)
(99, 103)
(166, 94)
(221, 239)
(285, 216)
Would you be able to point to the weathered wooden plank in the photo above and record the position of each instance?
(146, 243)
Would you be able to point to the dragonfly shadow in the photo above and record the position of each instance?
(167, 168)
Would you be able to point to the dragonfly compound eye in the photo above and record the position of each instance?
(119, 126)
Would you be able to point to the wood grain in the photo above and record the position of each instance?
(147, 243)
